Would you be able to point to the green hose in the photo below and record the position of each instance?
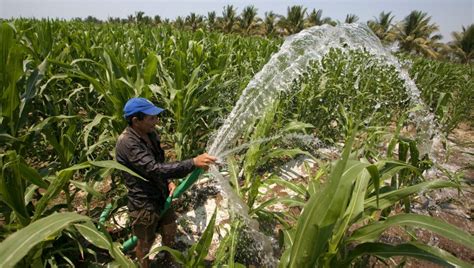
(129, 244)
(105, 214)
(132, 242)
(182, 187)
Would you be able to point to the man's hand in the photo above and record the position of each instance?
(171, 187)
(204, 160)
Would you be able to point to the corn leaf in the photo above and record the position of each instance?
(177, 255)
(202, 247)
(388, 199)
(12, 186)
(413, 249)
(353, 210)
(287, 184)
(101, 240)
(17, 245)
(373, 231)
(86, 187)
(115, 165)
(322, 211)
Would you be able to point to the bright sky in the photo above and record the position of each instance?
(450, 15)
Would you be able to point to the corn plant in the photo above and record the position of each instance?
(63, 86)
(25, 218)
(105, 67)
(447, 89)
(263, 150)
(343, 87)
(194, 256)
(18, 85)
(321, 237)
(184, 100)
(225, 254)
(63, 177)
(13, 185)
(26, 246)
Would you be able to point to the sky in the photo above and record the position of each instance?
(450, 15)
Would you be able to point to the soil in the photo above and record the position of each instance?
(456, 155)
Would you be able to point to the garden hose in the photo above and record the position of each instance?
(105, 213)
(132, 242)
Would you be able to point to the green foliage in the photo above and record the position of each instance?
(226, 251)
(16, 246)
(412, 249)
(294, 20)
(93, 71)
(417, 34)
(351, 197)
(320, 214)
(263, 152)
(463, 44)
(18, 84)
(371, 232)
(448, 89)
(63, 177)
(345, 87)
(382, 27)
(13, 185)
(104, 241)
(16, 174)
(19, 244)
(194, 256)
(63, 86)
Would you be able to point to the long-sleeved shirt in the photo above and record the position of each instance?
(147, 160)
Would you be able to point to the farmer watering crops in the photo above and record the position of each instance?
(138, 148)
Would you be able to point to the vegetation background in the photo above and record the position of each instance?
(64, 84)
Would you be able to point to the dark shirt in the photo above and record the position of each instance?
(146, 160)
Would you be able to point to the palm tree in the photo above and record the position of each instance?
(270, 23)
(92, 19)
(382, 27)
(463, 44)
(351, 18)
(315, 18)
(211, 20)
(130, 18)
(179, 22)
(294, 21)
(415, 34)
(329, 21)
(139, 16)
(228, 18)
(248, 19)
(113, 20)
(147, 20)
(157, 19)
(194, 21)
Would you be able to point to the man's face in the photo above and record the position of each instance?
(147, 125)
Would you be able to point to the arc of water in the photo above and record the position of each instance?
(285, 66)
(282, 69)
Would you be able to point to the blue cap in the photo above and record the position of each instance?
(143, 105)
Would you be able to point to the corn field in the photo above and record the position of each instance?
(63, 88)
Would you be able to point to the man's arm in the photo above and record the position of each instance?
(145, 164)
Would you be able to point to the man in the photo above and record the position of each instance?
(138, 148)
